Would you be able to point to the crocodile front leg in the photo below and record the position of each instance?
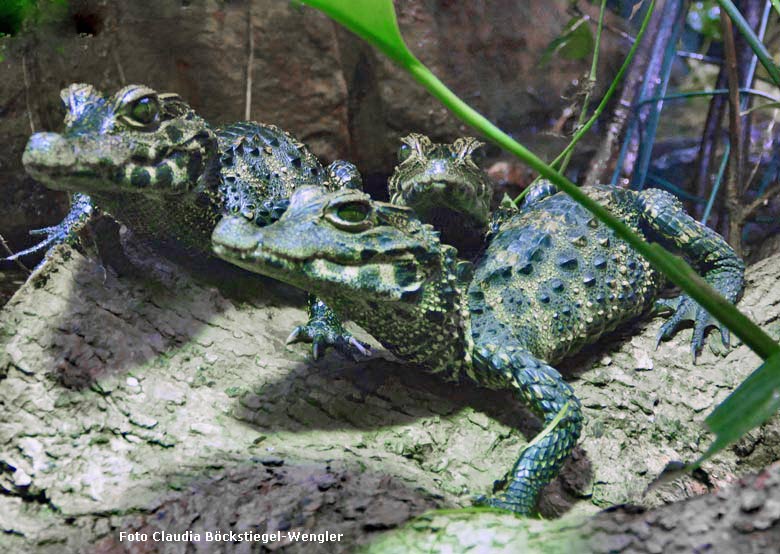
(550, 397)
(324, 329)
(666, 221)
(80, 209)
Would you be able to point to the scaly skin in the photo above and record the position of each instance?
(444, 186)
(151, 162)
(552, 279)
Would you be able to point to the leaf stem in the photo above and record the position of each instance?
(751, 38)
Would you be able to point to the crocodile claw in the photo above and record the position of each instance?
(54, 236)
(64, 232)
(685, 309)
(321, 336)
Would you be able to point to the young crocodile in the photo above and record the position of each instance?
(444, 186)
(151, 162)
(552, 279)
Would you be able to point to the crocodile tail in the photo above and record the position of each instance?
(548, 395)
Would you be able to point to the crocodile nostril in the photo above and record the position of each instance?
(236, 233)
(47, 150)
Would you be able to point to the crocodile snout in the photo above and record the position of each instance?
(235, 233)
(46, 153)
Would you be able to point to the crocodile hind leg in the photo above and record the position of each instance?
(80, 209)
(666, 221)
(550, 397)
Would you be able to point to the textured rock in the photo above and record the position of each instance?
(743, 517)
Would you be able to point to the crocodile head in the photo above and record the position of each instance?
(137, 140)
(445, 187)
(375, 263)
(340, 241)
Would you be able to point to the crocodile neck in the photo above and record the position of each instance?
(430, 328)
(178, 225)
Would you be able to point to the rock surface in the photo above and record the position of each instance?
(151, 400)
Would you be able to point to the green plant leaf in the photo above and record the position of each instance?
(751, 404)
(574, 43)
(372, 20)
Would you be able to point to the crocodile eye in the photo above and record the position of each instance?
(354, 212)
(351, 216)
(469, 149)
(478, 155)
(404, 152)
(144, 110)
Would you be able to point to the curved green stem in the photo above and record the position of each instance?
(696, 93)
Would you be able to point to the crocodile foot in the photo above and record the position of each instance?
(63, 232)
(685, 309)
(322, 335)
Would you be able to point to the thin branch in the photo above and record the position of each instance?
(700, 57)
(728, 7)
(119, 69)
(10, 252)
(735, 157)
(714, 92)
(591, 83)
(600, 169)
(249, 62)
(708, 146)
(27, 93)
(763, 200)
(758, 19)
(674, 14)
(716, 185)
(769, 138)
